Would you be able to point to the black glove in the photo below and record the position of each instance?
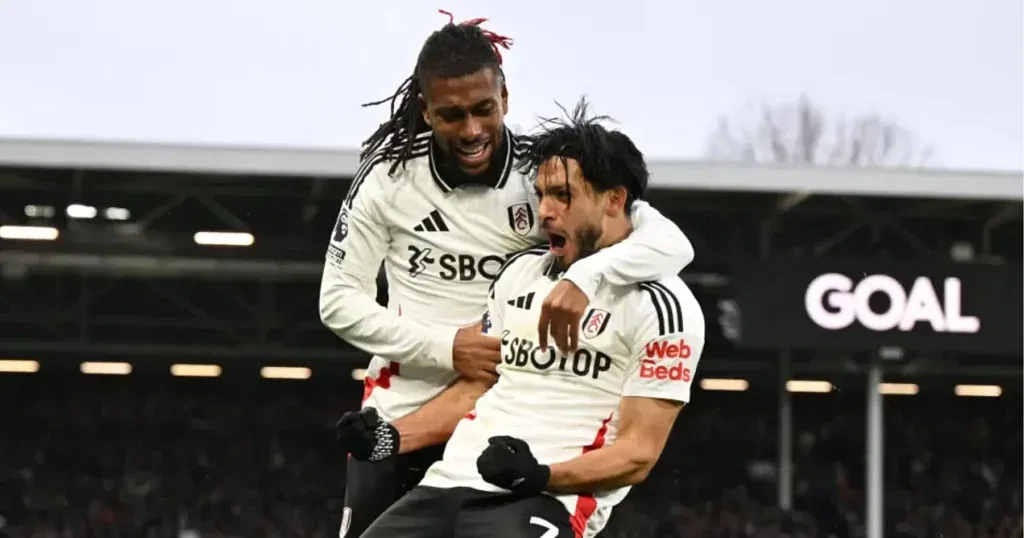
(508, 463)
(364, 435)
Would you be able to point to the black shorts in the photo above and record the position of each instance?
(428, 512)
(371, 488)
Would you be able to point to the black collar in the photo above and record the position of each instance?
(553, 269)
(448, 176)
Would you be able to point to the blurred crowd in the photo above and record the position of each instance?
(121, 458)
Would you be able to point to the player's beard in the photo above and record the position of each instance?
(585, 241)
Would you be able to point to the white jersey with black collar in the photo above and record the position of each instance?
(441, 246)
(643, 340)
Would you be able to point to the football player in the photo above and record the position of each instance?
(439, 201)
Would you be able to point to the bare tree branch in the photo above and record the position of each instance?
(799, 133)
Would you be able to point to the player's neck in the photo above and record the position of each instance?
(615, 230)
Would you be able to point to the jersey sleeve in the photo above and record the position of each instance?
(494, 317)
(656, 248)
(348, 290)
(669, 340)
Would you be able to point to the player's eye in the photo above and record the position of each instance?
(483, 110)
(451, 114)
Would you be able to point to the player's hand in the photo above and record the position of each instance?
(560, 314)
(366, 436)
(508, 463)
(475, 355)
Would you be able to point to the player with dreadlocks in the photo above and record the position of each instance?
(558, 441)
(439, 201)
(454, 52)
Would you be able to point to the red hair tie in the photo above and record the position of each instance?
(497, 41)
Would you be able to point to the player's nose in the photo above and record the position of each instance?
(546, 210)
(472, 129)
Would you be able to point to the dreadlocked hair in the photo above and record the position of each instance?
(608, 159)
(453, 51)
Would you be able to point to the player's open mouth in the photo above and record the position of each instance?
(556, 243)
(474, 156)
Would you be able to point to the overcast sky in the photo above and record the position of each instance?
(293, 73)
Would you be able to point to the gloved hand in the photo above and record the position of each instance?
(365, 436)
(508, 463)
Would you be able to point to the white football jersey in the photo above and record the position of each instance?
(643, 340)
(441, 247)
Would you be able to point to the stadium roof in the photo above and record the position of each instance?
(670, 175)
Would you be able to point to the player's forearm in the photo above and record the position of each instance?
(355, 316)
(611, 467)
(434, 422)
(656, 248)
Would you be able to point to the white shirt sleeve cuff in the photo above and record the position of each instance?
(442, 344)
(587, 283)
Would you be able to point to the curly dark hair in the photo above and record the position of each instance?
(453, 51)
(607, 158)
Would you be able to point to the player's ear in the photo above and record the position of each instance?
(504, 97)
(615, 201)
(425, 111)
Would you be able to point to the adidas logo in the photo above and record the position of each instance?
(523, 301)
(433, 223)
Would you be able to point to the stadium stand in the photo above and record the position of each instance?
(101, 457)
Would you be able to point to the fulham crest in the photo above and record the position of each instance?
(595, 322)
(520, 218)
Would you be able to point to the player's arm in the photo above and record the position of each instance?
(656, 248)
(348, 305)
(434, 422)
(644, 427)
(665, 357)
